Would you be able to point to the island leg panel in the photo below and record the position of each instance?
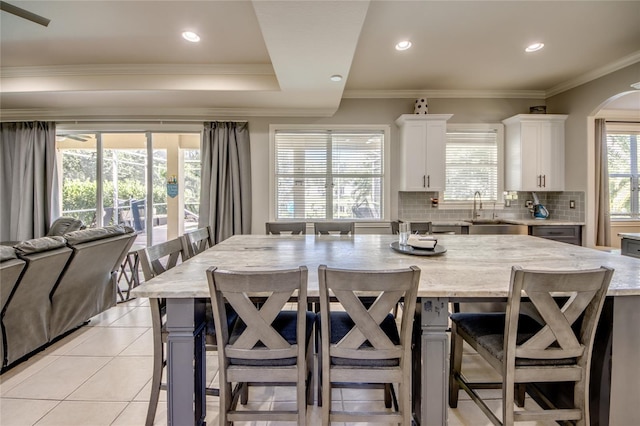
(185, 366)
(435, 371)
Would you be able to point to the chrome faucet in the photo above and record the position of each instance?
(477, 196)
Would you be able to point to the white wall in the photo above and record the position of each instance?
(370, 111)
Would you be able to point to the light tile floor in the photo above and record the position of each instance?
(101, 373)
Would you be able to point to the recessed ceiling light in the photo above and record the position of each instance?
(636, 85)
(534, 47)
(336, 77)
(403, 45)
(191, 36)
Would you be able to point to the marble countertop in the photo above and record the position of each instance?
(528, 222)
(541, 222)
(630, 235)
(473, 266)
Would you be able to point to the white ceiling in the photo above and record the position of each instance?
(126, 59)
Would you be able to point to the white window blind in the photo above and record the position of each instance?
(472, 165)
(329, 174)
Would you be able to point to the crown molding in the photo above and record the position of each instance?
(443, 94)
(156, 114)
(594, 74)
(133, 69)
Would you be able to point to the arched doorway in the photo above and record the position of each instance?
(622, 113)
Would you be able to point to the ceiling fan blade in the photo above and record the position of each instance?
(25, 14)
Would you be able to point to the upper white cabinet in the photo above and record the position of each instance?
(534, 152)
(423, 141)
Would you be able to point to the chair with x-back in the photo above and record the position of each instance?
(293, 228)
(341, 228)
(154, 261)
(267, 344)
(421, 227)
(363, 346)
(197, 241)
(395, 227)
(553, 346)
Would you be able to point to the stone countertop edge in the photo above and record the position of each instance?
(483, 262)
(528, 222)
(630, 235)
(542, 222)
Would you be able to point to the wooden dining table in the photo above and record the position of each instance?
(471, 268)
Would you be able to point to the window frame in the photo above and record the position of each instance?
(628, 128)
(499, 129)
(386, 167)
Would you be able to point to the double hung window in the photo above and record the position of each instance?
(328, 174)
(623, 160)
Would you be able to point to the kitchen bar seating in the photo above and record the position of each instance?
(197, 241)
(293, 228)
(481, 262)
(342, 228)
(416, 227)
(361, 346)
(554, 346)
(420, 227)
(267, 344)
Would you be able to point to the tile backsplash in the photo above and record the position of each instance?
(417, 206)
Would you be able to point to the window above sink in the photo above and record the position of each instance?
(474, 162)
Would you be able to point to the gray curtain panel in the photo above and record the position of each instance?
(29, 179)
(603, 222)
(225, 196)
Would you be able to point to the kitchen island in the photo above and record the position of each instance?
(474, 268)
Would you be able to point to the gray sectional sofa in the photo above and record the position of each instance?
(64, 281)
(10, 271)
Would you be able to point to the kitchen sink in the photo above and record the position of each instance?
(494, 226)
(484, 221)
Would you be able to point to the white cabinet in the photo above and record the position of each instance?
(423, 141)
(534, 152)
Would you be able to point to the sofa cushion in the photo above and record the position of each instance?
(38, 245)
(7, 253)
(62, 225)
(92, 234)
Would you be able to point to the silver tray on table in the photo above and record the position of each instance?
(436, 251)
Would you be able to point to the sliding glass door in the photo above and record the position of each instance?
(78, 163)
(148, 181)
